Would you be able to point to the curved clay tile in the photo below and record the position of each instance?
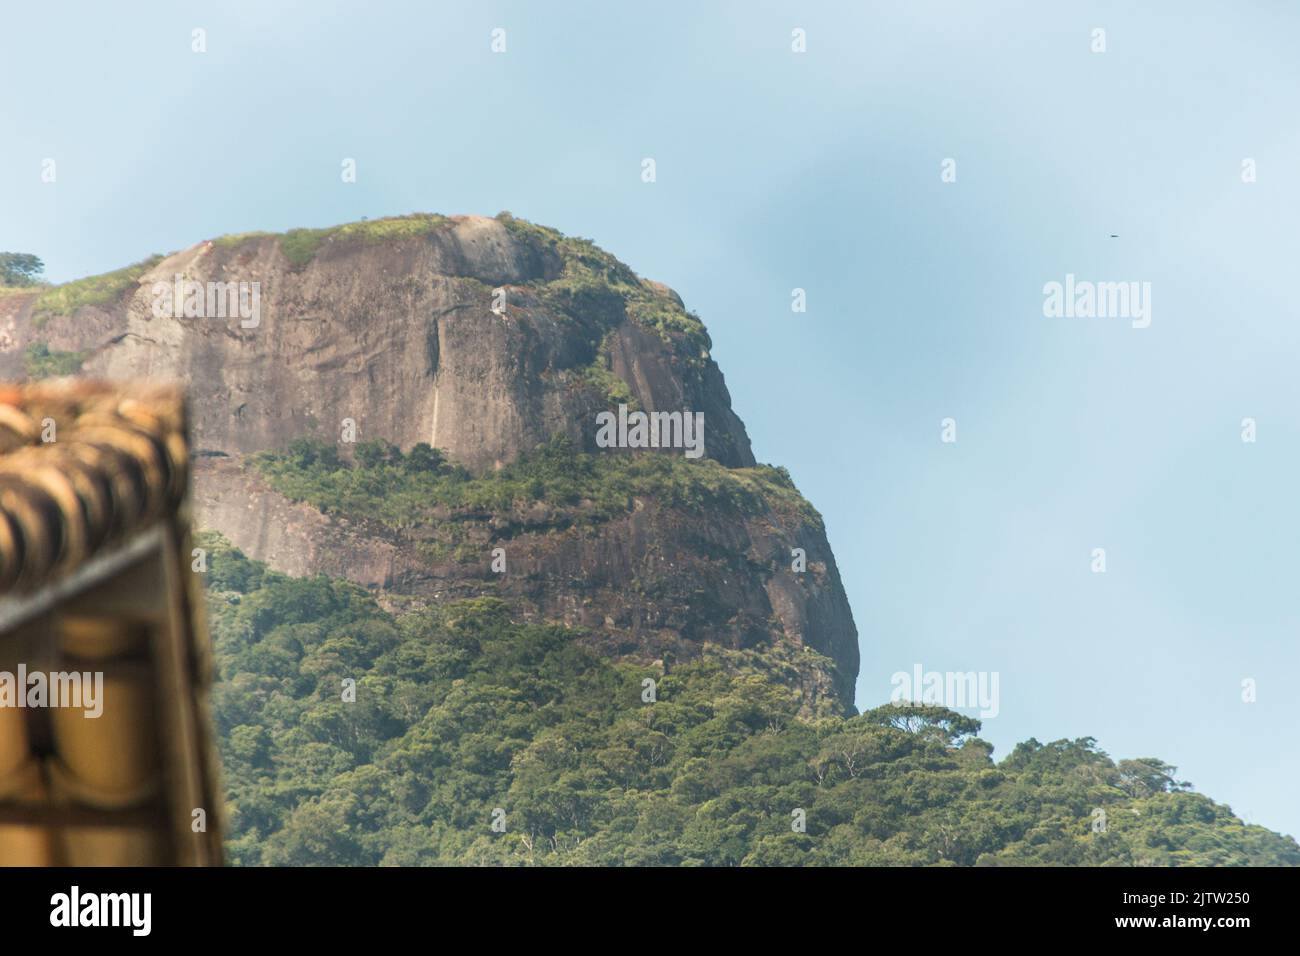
(83, 467)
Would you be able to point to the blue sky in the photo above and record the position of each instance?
(822, 171)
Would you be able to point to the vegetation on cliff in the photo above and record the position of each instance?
(407, 490)
(594, 283)
(463, 715)
(41, 361)
(99, 290)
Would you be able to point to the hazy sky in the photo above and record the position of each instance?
(821, 170)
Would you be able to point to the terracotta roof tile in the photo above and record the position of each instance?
(118, 461)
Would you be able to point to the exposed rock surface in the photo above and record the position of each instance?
(483, 338)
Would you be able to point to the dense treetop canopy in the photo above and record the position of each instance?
(463, 718)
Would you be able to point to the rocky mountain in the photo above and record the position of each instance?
(558, 652)
(486, 339)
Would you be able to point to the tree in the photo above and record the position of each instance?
(1147, 775)
(372, 454)
(19, 268)
(925, 720)
(307, 454)
(426, 458)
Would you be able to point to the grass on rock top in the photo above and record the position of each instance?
(300, 246)
(35, 287)
(93, 290)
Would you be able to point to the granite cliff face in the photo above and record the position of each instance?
(484, 338)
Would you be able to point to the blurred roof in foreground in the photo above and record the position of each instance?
(83, 466)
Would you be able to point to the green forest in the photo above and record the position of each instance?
(471, 738)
